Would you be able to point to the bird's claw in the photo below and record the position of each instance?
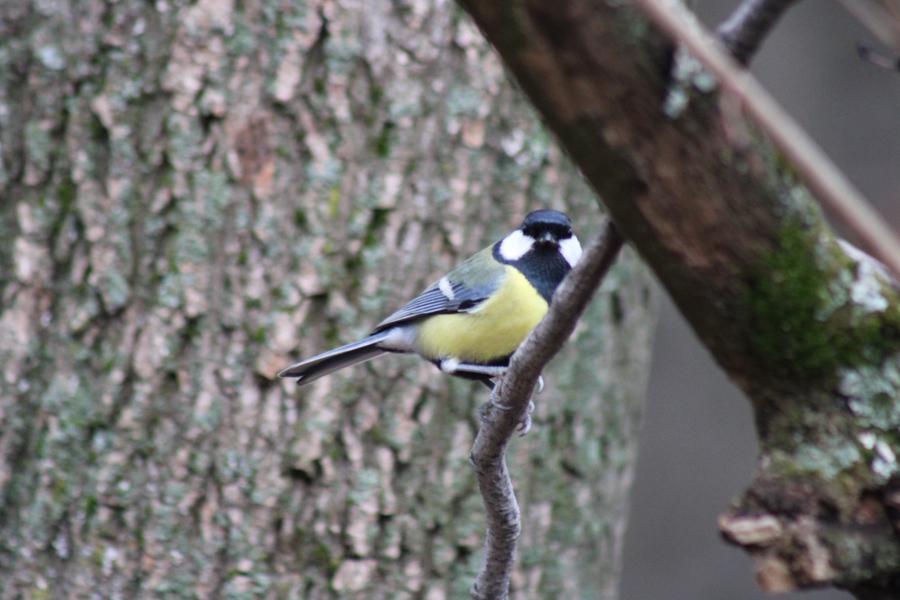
(500, 406)
(524, 425)
(483, 412)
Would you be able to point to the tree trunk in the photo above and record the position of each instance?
(196, 194)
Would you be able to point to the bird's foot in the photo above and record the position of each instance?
(525, 422)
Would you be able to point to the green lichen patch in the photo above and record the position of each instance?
(807, 312)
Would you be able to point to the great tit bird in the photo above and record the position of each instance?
(472, 319)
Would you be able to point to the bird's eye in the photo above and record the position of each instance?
(561, 232)
(557, 230)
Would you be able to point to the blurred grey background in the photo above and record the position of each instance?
(697, 447)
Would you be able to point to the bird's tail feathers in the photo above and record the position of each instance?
(307, 371)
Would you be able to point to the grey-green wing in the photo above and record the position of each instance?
(471, 283)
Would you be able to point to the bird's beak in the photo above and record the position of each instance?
(548, 238)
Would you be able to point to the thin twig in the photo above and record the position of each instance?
(514, 390)
(881, 19)
(879, 60)
(818, 172)
(744, 31)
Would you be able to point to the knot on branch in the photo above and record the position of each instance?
(805, 532)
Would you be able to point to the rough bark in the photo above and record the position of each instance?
(194, 194)
(809, 329)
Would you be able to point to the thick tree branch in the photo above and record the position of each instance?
(514, 391)
(809, 329)
(742, 33)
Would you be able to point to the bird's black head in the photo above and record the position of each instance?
(547, 226)
(543, 248)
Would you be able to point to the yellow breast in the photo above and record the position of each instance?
(489, 333)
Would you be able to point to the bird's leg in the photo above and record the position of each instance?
(449, 365)
(454, 367)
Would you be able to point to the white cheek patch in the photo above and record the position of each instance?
(571, 250)
(446, 288)
(515, 245)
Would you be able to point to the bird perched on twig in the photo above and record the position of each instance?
(472, 319)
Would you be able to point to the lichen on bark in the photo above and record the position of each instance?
(813, 309)
(196, 194)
